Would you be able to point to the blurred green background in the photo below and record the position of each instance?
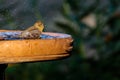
(94, 25)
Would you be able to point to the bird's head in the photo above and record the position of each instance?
(39, 25)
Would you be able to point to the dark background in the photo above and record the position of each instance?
(94, 25)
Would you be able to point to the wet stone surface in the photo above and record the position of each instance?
(15, 36)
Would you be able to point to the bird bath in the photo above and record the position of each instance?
(51, 46)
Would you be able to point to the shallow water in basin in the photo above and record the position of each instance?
(14, 36)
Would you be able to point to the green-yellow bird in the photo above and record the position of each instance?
(33, 32)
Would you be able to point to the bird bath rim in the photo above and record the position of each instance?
(31, 50)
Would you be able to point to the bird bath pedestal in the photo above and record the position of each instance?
(51, 46)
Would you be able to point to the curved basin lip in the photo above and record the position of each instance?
(61, 35)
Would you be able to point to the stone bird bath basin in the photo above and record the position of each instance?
(51, 46)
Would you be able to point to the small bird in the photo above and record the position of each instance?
(33, 32)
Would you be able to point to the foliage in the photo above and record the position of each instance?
(103, 38)
(15, 14)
